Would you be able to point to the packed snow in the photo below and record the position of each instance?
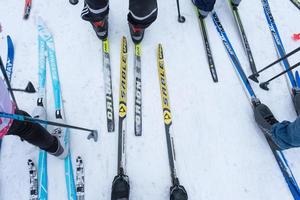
(221, 153)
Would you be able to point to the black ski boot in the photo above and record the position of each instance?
(265, 120)
(137, 34)
(296, 100)
(101, 28)
(120, 188)
(177, 191)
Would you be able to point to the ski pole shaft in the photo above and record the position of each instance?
(276, 61)
(181, 19)
(8, 83)
(265, 84)
(93, 133)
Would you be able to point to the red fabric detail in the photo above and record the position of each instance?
(6, 128)
(100, 23)
(136, 29)
(296, 37)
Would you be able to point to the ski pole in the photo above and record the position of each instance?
(255, 75)
(29, 88)
(265, 84)
(93, 133)
(181, 19)
(8, 83)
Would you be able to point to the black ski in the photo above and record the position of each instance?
(243, 35)
(210, 59)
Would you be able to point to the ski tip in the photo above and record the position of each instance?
(264, 86)
(253, 77)
(93, 135)
(30, 88)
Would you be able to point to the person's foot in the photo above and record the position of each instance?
(264, 118)
(120, 188)
(101, 28)
(62, 148)
(136, 33)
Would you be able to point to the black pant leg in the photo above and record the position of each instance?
(95, 10)
(142, 13)
(34, 134)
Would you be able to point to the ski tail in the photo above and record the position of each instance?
(33, 180)
(79, 178)
(177, 191)
(277, 40)
(108, 86)
(70, 183)
(210, 60)
(281, 160)
(27, 9)
(138, 91)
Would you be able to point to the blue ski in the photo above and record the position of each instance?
(10, 57)
(42, 163)
(279, 46)
(279, 156)
(47, 37)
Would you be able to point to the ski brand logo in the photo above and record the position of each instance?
(122, 110)
(164, 94)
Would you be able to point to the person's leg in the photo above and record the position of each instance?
(35, 134)
(287, 134)
(204, 6)
(141, 15)
(96, 12)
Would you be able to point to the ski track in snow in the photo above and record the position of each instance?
(221, 153)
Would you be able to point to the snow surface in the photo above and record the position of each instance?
(221, 153)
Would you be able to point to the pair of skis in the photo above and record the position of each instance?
(120, 185)
(47, 50)
(254, 101)
(108, 88)
(292, 83)
(9, 62)
(243, 36)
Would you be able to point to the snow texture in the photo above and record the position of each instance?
(221, 153)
